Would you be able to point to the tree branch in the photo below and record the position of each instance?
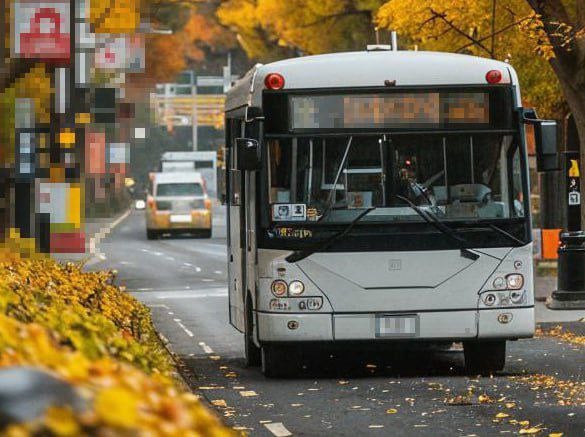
(442, 16)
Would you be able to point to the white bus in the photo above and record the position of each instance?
(377, 197)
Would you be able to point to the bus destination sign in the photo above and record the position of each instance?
(404, 109)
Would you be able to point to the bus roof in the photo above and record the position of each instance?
(368, 69)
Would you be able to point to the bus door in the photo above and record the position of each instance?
(237, 230)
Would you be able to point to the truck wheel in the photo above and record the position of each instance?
(252, 352)
(151, 235)
(279, 361)
(484, 357)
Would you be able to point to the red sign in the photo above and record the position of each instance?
(42, 31)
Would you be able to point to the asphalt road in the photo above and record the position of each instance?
(403, 392)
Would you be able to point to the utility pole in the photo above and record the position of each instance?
(194, 120)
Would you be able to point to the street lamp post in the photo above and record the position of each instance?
(570, 293)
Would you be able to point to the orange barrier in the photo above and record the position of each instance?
(550, 243)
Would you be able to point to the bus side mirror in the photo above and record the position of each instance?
(248, 154)
(547, 153)
(545, 141)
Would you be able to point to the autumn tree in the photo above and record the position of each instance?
(483, 28)
(273, 29)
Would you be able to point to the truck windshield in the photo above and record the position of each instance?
(179, 189)
(458, 177)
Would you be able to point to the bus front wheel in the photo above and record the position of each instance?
(484, 357)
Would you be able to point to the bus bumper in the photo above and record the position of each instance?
(502, 323)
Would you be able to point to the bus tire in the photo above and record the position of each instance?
(151, 235)
(252, 354)
(484, 357)
(278, 362)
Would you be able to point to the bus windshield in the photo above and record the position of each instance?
(457, 176)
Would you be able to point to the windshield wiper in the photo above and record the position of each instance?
(432, 219)
(299, 255)
(332, 193)
(507, 234)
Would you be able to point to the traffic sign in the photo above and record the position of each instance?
(42, 31)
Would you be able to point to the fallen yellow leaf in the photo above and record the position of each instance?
(391, 411)
(533, 430)
(502, 415)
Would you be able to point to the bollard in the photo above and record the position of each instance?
(570, 293)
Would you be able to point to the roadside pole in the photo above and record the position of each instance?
(570, 293)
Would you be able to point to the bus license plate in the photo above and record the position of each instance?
(397, 326)
(181, 218)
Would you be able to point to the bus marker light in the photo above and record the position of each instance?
(493, 76)
(279, 288)
(517, 264)
(292, 324)
(505, 318)
(489, 299)
(274, 81)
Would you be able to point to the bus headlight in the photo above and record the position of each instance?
(515, 281)
(499, 283)
(279, 288)
(296, 288)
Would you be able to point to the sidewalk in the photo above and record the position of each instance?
(95, 230)
(543, 287)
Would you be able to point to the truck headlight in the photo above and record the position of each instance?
(279, 288)
(296, 288)
(515, 281)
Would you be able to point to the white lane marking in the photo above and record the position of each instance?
(98, 237)
(125, 263)
(218, 272)
(197, 269)
(207, 280)
(144, 289)
(277, 429)
(145, 250)
(157, 253)
(159, 305)
(183, 327)
(188, 264)
(205, 348)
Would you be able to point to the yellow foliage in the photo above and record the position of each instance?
(90, 333)
(454, 25)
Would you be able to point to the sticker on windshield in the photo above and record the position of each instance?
(289, 212)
